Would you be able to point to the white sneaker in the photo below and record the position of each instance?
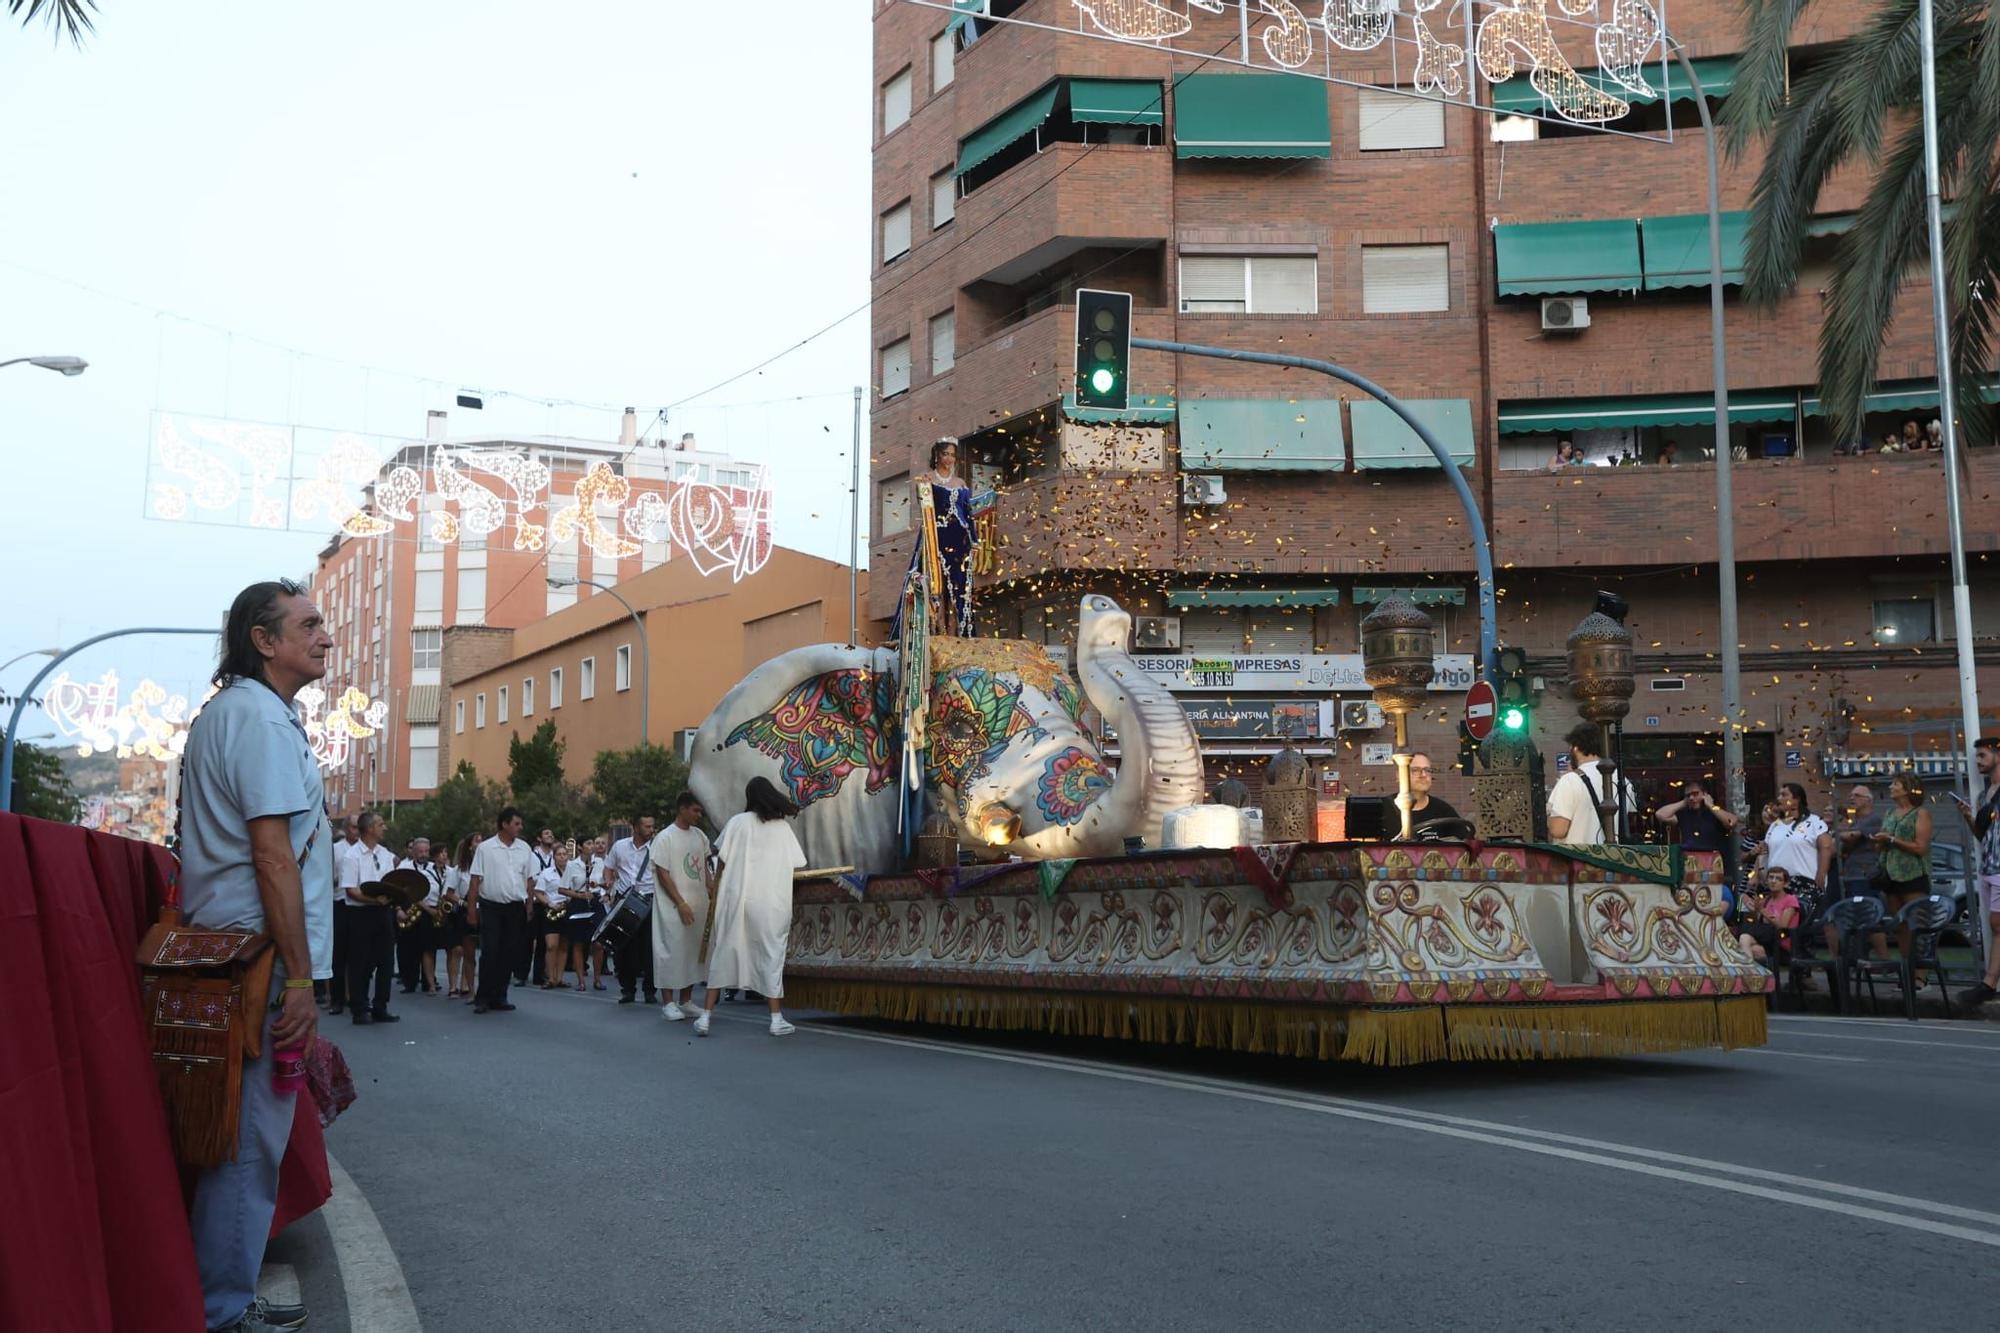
(673, 1012)
(701, 1024)
(780, 1028)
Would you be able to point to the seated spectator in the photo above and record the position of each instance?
(1913, 437)
(1934, 434)
(1892, 443)
(1565, 455)
(1669, 455)
(1776, 909)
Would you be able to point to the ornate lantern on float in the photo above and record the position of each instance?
(1396, 642)
(1289, 798)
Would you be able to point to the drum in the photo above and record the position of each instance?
(632, 916)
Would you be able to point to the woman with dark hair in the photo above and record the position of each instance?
(951, 513)
(1798, 842)
(461, 939)
(753, 903)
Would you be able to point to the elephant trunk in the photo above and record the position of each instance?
(1159, 766)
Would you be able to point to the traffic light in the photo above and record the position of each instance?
(1516, 692)
(1103, 349)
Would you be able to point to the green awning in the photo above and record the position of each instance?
(1118, 101)
(1145, 409)
(1010, 126)
(1251, 115)
(1383, 440)
(1194, 599)
(1551, 258)
(1717, 75)
(1677, 249)
(1903, 397)
(1830, 224)
(1262, 435)
(1417, 596)
(1551, 415)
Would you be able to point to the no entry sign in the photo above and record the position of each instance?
(1480, 706)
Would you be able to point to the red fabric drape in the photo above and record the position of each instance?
(93, 1227)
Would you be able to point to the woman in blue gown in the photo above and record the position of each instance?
(954, 512)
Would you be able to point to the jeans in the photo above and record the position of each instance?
(371, 952)
(234, 1202)
(503, 934)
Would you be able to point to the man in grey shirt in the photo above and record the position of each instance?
(1859, 855)
(256, 854)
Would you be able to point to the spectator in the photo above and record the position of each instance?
(1859, 857)
(1702, 825)
(1669, 454)
(1778, 909)
(1983, 815)
(1892, 443)
(1934, 434)
(1750, 843)
(1565, 455)
(1798, 841)
(1913, 437)
(1586, 800)
(1905, 843)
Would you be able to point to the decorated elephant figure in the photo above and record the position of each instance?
(1014, 761)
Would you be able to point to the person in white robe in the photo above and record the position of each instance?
(680, 909)
(753, 903)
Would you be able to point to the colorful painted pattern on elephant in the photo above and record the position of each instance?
(974, 714)
(1071, 700)
(1071, 781)
(825, 729)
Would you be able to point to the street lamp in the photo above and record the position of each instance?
(645, 653)
(67, 365)
(32, 652)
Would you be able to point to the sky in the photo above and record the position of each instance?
(340, 215)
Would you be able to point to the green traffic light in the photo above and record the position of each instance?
(1103, 379)
(1514, 719)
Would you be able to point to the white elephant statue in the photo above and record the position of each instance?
(1013, 761)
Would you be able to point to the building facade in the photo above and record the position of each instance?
(1523, 284)
(392, 600)
(586, 668)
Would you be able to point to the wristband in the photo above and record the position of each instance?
(298, 983)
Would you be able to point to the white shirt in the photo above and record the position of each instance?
(342, 850)
(430, 873)
(1794, 847)
(624, 863)
(1576, 801)
(504, 872)
(594, 874)
(544, 859)
(364, 865)
(550, 884)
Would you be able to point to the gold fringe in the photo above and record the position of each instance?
(1398, 1036)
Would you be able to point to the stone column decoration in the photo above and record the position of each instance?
(1600, 683)
(1289, 798)
(1396, 643)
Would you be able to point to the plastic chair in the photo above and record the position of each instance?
(1925, 919)
(1799, 949)
(1856, 918)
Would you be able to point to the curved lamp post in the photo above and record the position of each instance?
(645, 653)
(63, 365)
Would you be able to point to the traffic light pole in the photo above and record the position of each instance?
(1482, 543)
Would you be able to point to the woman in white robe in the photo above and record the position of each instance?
(753, 903)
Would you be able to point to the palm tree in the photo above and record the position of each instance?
(1861, 106)
(67, 17)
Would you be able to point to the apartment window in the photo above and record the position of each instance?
(586, 679)
(423, 756)
(896, 368)
(468, 540)
(1250, 284)
(429, 597)
(528, 696)
(943, 61)
(426, 649)
(893, 506)
(555, 687)
(1399, 278)
(479, 710)
(896, 232)
(944, 197)
(621, 667)
(501, 714)
(458, 715)
(1392, 120)
(1906, 620)
(896, 102)
(562, 571)
(471, 597)
(944, 342)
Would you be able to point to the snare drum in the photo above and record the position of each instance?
(627, 921)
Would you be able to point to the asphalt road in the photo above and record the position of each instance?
(583, 1165)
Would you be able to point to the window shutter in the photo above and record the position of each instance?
(896, 101)
(429, 600)
(895, 505)
(944, 342)
(1211, 631)
(471, 596)
(1399, 278)
(1390, 120)
(1212, 282)
(896, 232)
(944, 198)
(1284, 285)
(896, 368)
(942, 57)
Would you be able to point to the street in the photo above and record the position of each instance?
(580, 1164)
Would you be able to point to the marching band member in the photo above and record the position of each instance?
(595, 867)
(556, 887)
(630, 867)
(414, 924)
(461, 938)
(371, 924)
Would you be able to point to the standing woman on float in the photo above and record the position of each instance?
(461, 940)
(753, 903)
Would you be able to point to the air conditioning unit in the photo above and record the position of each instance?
(1360, 715)
(684, 743)
(1202, 488)
(1565, 314)
(1156, 633)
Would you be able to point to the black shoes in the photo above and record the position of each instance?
(628, 999)
(503, 1007)
(384, 1016)
(362, 1018)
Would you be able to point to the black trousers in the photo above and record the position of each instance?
(503, 934)
(412, 943)
(336, 986)
(371, 955)
(635, 965)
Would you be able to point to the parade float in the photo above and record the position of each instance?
(992, 867)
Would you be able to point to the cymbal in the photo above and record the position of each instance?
(403, 888)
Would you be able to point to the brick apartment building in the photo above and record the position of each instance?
(1247, 512)
(389, 600)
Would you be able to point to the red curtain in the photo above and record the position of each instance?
(93, 1232)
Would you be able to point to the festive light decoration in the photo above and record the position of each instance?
(1137, 20)
(151, 723)
(1440, 68)
(353, 717)
(1524, 29)
(600, 485)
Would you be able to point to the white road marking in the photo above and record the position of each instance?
(1961, 1027)
(1804, 1055)
(1705, 1173)
(378, 1297)
(1970, 1048)
(279, 1284)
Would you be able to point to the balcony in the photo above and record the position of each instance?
(1068, 198)
(1127, 523)
(1876, 505)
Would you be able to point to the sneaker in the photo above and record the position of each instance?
(277, 1316)
(674, 1013)
(701, 1024)
(780, 1028)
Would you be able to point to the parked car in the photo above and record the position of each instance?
(1949, 878)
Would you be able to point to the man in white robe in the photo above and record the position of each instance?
(753, 904)
(680, 911)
